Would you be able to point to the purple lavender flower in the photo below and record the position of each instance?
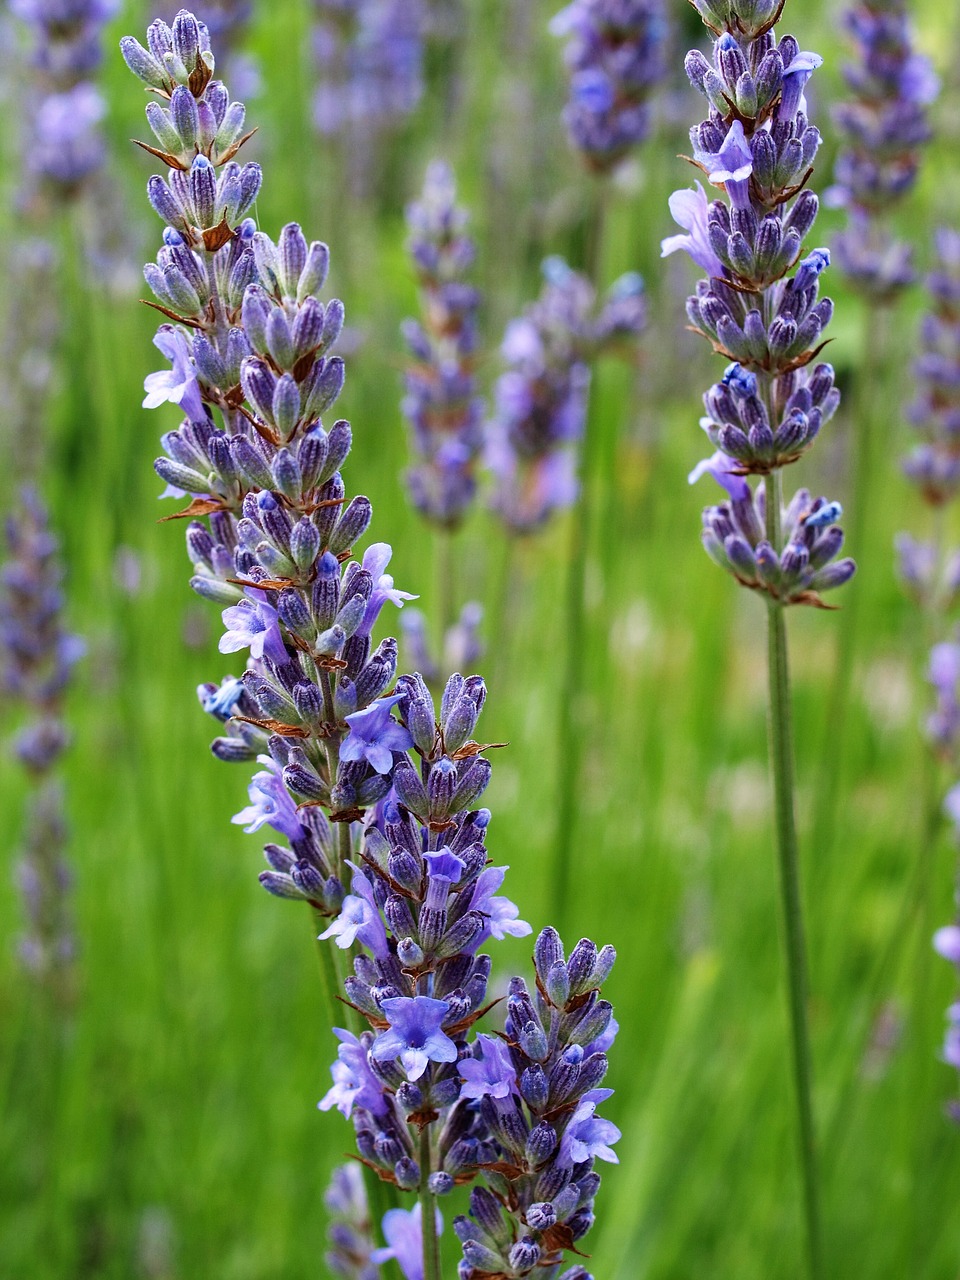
(441, 404)
(37, 656)
(689, 210)
(369, 56)
(178, 385)
(353, 1081)
(403, 1230)
(491, 1074)
(63, 145)
(587, 1137)
(415, 1036)
(374, 735)
(615, 54)
(883, 129)
(541, 400)
(348, 786)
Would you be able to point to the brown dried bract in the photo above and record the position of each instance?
(198, 507)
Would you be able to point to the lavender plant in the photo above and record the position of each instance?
(361, 797)
(616, 57)
(758, 147)
(540, 409)
(369, 58)
(883, 130)
(63, 145)
(442, 405)
(946, 942)
(37, 655)
(930, 572)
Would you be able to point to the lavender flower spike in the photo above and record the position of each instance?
(541, 400)
(362, 771)
(883, 129)
(616, 57)
(37, 656)
(349, 1235)
(442, 405)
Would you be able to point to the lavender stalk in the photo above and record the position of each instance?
(37, 656)
(442, 405)
(383, 802)
(758, 148)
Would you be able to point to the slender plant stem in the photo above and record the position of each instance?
(570, 738)
(781, 760)
(428, 1216)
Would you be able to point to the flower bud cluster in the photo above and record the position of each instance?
(339, 739)
(537, 1091)
(616, 57)
(541, 400)
(441, 404)
(882, 131)
(37, 656)
(369, 61)
(63, 142)
(796, 573)
(760, 306)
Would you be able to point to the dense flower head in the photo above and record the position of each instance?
(441, 404)
(541, 399)
(798, 572)
(882, 128)
(615, 53)
(760, 305)
(369, 60)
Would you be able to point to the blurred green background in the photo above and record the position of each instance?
(168, 1129)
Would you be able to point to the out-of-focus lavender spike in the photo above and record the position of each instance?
(929, 572)
(462, 645)
(946, 942)
(616, 55)
(883, 129)
(441, 404)
(369, 57)
(62, 143)
(37, 656)
(540, 402)
(349, 1230)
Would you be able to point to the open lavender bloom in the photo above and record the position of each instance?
(441, 404)
(37, 656)
(349, 1234)
(541, 400)
(882, 130)
(369, 56)
(372, 788)
(760, 305)
(63, 142)
(616, 57)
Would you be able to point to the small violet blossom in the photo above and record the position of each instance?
(270, 802)
(689, 210)
(255, 625)
(414, 1036)
(354, 1084)
(178, 385)
(375, 560)
(403, 1232)
(491, 1075)
(587, 1137)
(374, 735)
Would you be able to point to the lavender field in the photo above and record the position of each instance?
(610, 909)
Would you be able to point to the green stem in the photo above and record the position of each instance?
(446, 609)
(571, 738)
(781, 760)
(428, 1216)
